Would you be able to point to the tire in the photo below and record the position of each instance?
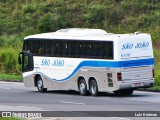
(93, 88)
(123, 92)
(82, 87)
(40, 85)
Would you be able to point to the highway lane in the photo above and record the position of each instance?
(15, 97)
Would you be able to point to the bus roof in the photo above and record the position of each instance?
(79, 34)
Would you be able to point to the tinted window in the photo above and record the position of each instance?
(27, 46)
(41, 49)
(88, 49)
(35, 47)
(73, 48)
(58, 48)
(82, 49)
(108, 50)
(97, 49)
(47, 47)
(70, 48)
(53, 48)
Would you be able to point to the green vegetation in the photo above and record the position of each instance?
(9, 118)
(10, 77)
(19, 18)
(157, 67)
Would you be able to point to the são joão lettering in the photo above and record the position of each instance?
(55, 62)
(127, 46)
(142, 45)
(136, 46)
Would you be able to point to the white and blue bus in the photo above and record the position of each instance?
(88, 60)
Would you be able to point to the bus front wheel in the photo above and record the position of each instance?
(93, 88)
(40, 85)
(82, 87)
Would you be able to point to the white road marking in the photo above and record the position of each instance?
(50, 118)
(29, 107)
(5, 88)
(79, 118)
(18, 108)
(153, 100)
(72, 103)
(119, 118)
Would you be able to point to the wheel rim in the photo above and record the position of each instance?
(82, 87)
(93, 88)
(40, 84)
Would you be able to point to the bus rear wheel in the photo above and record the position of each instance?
(40, 85)
(123, 92)
(93, 88)
(82, 87)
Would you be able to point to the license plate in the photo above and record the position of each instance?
(137, 84)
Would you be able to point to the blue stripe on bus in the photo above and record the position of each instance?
(107, 64)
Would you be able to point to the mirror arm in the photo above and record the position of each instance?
(19, 58)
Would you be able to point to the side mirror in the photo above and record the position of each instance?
(19, 60)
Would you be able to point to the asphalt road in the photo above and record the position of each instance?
(15, 97)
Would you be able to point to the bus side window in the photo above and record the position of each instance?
(100, 50)
(35, 47)
(76, 48)
(89, 49)
(108, 50)
(48, 47)
(64, 48)
(95, 49)
(82, 49)
(60, 48)
(57, 49)
(27, 45)
(73, 49)
(70, 48)
(41, 49)
(53, 48)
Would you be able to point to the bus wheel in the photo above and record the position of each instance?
(93, 88)
(82, 87)
(40, 85)
(123, 92)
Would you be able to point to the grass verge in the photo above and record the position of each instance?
(152, 89)
(155, 88)
(9, 118)
(10, 77)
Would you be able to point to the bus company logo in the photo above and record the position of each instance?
(127, 46)
(142, 45)
(55, 62)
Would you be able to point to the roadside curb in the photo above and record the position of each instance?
(147, 90)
